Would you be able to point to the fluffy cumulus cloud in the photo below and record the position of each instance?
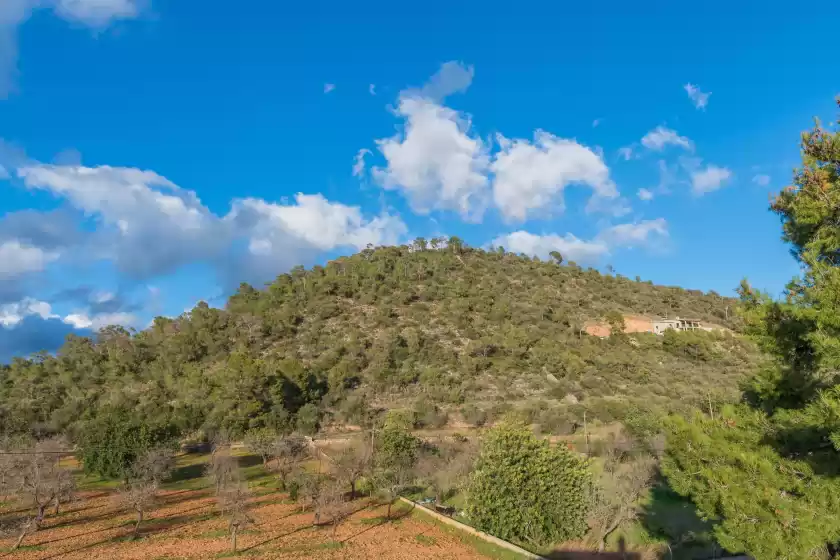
(531, 176)
(17, 259)
(312, 222)
(12, 314)
(572, 248)
(638, 234)
(94, 13)
(434, 161)
(709, 178)
(644, 234)
(699, 98)
(96, 322)
(660, 138)
(149, 225)
(438, 163)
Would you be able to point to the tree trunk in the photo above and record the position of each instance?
(352, 490)
(233, 529)
(389, 508)
(41, 509)
(21, 537)
(608, 532)
(137, 525)
(57, 505)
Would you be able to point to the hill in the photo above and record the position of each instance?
(442, 329)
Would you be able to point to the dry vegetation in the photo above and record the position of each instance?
(196, 523)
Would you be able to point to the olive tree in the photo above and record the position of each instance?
(35, 475)
(146, 474)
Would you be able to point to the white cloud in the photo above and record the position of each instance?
(372, 89)
(572, 248)
(328, 87)
(359, 162)
(96, 322)
(660, 137)
(279, 236)
(623, 236)
(596, 122)
(709, 179)
(17, 259)
(97, 13)
(645, 194)
(13, 13)
(315, 221)
(434, 161)
(11, 314)
(761, 180)
(699, 98)
(532, 175)
(4, 173)
(626, 152)
(152, 225)
(638, 234)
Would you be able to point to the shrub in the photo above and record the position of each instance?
(524, 490)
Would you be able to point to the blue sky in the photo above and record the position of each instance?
(156, 153)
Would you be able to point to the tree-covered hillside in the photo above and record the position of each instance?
(438, 327)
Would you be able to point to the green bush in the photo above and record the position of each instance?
(524, 490)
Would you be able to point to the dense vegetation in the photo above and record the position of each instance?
(766, 472)
(435, 327)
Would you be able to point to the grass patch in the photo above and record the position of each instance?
(26, 547)
(425, 539)
(218, 533)
(481, 546)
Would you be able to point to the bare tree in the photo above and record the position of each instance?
(352, 463)
(232, 493)
(139, 493)
(310, 486)
(233, 501)
(447, 470)
(287, 452)
(223, 467)
(391, 481)
(625, 479)
(262, 442)
(36, 476)
(331, 503)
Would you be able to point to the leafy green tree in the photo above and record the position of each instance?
(111, 444)
(307, 419)
(395, 446)
(524, 490)
(767, 476)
